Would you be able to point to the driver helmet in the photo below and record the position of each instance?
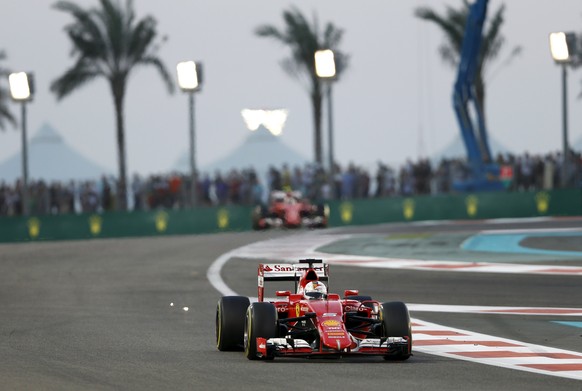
(315, 290)
(290, 198)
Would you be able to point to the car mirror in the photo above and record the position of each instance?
(283, 293)
(351, 292)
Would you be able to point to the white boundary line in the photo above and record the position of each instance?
(300, 246)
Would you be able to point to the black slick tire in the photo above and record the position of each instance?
(396, 322)
(322, 211)
(261, 321)
(230, 322)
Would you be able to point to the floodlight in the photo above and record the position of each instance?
(562, 46)
(189, 75)
(324, 63)
(20, 88)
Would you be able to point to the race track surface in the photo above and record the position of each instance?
(138, 314)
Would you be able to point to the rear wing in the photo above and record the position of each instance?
(290, 272)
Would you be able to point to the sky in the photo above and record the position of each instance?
(392, 104)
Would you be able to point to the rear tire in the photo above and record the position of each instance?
(261, 321)
(323, 212)
(396, 322)
(230, 322)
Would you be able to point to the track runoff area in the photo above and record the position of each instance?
(439, 339)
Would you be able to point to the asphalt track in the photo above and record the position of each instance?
(138, 314)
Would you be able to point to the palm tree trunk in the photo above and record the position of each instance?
(118, 89)
(316, 101)
(480, 94)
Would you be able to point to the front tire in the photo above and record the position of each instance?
(261, 321)
(396, 322)
(230, 322)
(259, 213)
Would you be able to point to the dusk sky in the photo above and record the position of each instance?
(393, 103)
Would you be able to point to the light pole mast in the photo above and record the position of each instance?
(325, 70)
(566, 153)
(193, 169)
(190, 81)
(564, 50)
(21, 90)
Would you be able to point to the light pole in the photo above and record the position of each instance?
(563, 48)
(325, 70)
(190, 81)
(21, 91)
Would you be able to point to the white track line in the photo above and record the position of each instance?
(501, 352)
(300, 246)
(470, 309)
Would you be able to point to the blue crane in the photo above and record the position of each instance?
(484, 173)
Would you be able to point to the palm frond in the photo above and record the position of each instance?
(453, 24)
(5, 114)
(493, 41)
(110, 40)
(449, 55)
(293, 69)
(79, 75)
(271, 32)
(112, 18)
(332, 36)
(83, 27)
(157, 63)
(140, 40)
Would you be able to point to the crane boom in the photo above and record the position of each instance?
(484, 173)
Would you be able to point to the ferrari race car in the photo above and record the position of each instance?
(311, 322)
(289, 210)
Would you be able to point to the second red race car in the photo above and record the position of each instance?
(310, 322)
(289, 210)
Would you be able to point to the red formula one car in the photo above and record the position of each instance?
(289, 210)
(311, 322)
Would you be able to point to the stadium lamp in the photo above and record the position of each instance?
(190, 81)
(325, 71)
(325, 64)
(563, 50)
(562, 46)
(20, 86)
(21, 90)
(189, 76)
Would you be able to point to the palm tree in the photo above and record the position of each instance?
(452, 23)
(304, 39)
(108, 42)
(5, 114)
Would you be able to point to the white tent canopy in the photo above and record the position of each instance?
(50, 159)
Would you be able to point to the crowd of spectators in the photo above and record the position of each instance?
(247, 187)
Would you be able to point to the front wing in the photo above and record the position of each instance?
(289, 347)
(277, 222)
